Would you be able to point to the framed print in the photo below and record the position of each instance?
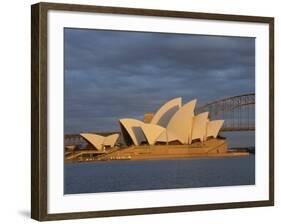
(140, 111)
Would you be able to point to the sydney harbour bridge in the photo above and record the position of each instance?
(238, 112)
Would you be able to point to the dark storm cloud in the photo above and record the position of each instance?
(110, 75)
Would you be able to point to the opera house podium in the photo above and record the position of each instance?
(173, 131)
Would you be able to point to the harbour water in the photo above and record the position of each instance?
(126, 175)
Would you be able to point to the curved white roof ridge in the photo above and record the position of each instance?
(152, 132)
(213, 128)
(110, 140)
(167, 136)
(133, 128)
(199, 126)
(181, 123)
(166, 111)
(99, 141)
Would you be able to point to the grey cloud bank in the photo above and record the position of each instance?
(115, 74)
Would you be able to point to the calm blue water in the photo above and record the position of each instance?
(158, 174)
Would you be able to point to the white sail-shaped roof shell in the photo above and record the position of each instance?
(181, 123)
(110, 140)
(99, 141)
(213, 128)
(164, 114)
(133, 128)
(199, 126)
(167, 137)
(152, 132)
(93, 139)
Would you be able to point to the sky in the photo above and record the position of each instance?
(109, 75)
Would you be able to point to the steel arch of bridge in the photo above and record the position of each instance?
(239, 109)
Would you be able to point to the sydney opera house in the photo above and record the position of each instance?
(173, 131)
(172, 123)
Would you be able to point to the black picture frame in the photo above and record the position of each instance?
(39, 105)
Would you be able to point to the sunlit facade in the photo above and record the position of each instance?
(171, 123)
(100, 142)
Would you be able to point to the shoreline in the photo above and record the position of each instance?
(212, 149)
(203, 156)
